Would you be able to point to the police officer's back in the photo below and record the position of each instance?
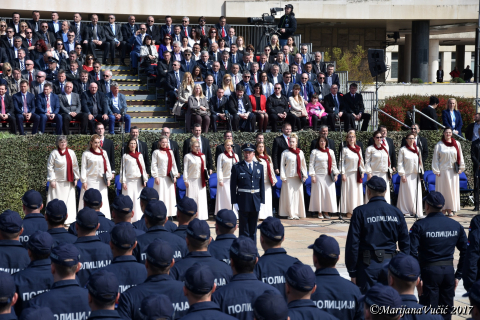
(157, 306)
(94, 254)
(56, 215)
(8, 296)
(34, 313)
(66, 298)
(299, 286)
(199, 287)
(274, 263)
(32, 204)
(92, 198)
(474, 296)
(198, 239)
(186, 212)
(334, 294)
(433, 241)
(375, 229)
(13, 256)
(270, 306)
(237, 297)
(158, 264)
(37, 277)
(403, 276)
(382, 296)
(146, 196)
(124, 265)
(225, 226)
(102, 295)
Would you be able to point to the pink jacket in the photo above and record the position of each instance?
(315, 110)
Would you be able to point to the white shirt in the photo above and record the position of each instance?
(57, 166)
(69, 98)
(115, 101)
(287, 139)
(160, 164)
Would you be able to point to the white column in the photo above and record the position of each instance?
(447, 65)
(389, 58)
(433, 49)
(408, 58)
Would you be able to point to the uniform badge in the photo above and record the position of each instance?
(258, 170)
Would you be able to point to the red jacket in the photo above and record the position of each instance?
(263, 103)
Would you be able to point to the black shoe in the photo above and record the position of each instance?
(134, 72)
(475, 209)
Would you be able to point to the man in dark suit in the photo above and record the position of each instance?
(114, 39)
(429, 111)
(280, 144)
(107, 145)
(95, 38)
(306, 57)
(7, 40)
(15, 23)
(277, 107)
(46, 35)
(471, 134)
(96, 74)
(306, 88)
(104, 84)
(218, 105)
(228, 135)
(388, 143)
(72, 57)
(21, 61)
(263, 63)
(94, 104)
(331, 77)
(320, 87)
(245, 63)
(354, 106)
(141, 147)
(164, 66)
(128, 30)
(209, 88)
(24, 103)
(287, 85)
(71, 109)
(216, 73)
(174, 80)
(323, 132)
(274, 75)
(215, 55)
(171, 145)
(70, 44)
(7, 109)
(34, 24)
(204, 146)
(421, 142)
(153, 30)
(475, 154)
(335, 107)
(48, 108)
(309, 71)
(52, 71)
(17, 46)
(240, 108)
(289, 58)
(235, 56)
(225, 64)
(222, 27)
(298, 62)
(72, 73)
(55, 25)
(440, 74)
(231, 38)
(167, 28)
(186, 29)
(317, 64)
(247, 83)
(79, 27)
(83, 84)
(60, 83)
(204, 64)
(177, 34)
(187, 64)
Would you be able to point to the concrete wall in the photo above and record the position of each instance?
(467, 90)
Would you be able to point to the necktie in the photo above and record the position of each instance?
(95, 33)
(209, 94)
(107, 86)
(21, 65)
(98, 77)
(336, 103)
(113, 28)
(169, 30)
(234, 59)
(225, 64)
(78, 30)
(383, 142)
(3, 105)
(48, 105)
(188, 63)
(223, 32)
(138, 146)
(178, 78)
(203, 31)
(133, 29)
(250, 168)
(293, 79)
(305, 93)
(186, 33)
(84, 87)
(215, 76)
(29, 42)
(25, 109)
(101, 143)
(46, 37)
(11, 44)
(304, 60)
(30, 78)
(61, 87)
(255, 77)
(95, 108)
(353, 96)
(286, 60)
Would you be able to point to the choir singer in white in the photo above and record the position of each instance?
(225, 162)
(377, 163)
(194, 176)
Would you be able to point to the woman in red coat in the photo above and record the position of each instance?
(259, 107)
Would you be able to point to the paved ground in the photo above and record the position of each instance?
(299, 234)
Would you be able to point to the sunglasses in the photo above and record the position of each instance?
(3, 26)
(246, 76)
(89, 58)
(28, 32)
(184, 21)
(321, 77)
(378, 137)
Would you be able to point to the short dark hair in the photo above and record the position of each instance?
(434, 100)
(197, 125)
(155, 222)
(228, 131)
(242, 266)
(353, 85)
(64, 271)
(197, 244)
(240, 87)
(47, 85)
(325, 262)
(330, 65)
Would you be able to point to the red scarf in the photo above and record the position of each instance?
(356, 149)
(170, 162)
(383, 148)
(329, 159)
(269, 171)
(70, 176)
(230, 156)
(100, 154)
(202, 171)
(452, 144)
(414, 150)
(299, 165)
(135, 155)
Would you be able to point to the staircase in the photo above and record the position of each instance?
(146, 107)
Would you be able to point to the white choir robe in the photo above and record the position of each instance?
(267, 209)
(352, 192)
(133, 178)
(92, 173)
(192, 167)
(323, 196)
(448, 183)
(376, 164)
(291, 196)
(410, 192)
(64, 190)
(166, 188)
(224, 171)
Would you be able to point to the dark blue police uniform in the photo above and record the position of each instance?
(104, 315)
(247, 190)
(206, 311)
(106, 225)
(270, 306)
(307, 310)
(94, 254)
(157, 306)
(37, 313)
(13, 256)
(472, 260)
(31, 223)
(410, 301)
(140, 225)
(178, 245)
(103, 287)
(375, 229)
(181, 231)
(128, 271)
(474, 223)
(8, 316)
(7, 292)
(105, 236)
(220, 249)
(60, 235)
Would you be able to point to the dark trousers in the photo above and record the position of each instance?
(247, 224)
(11, 124)
(82, 117)
(125, 48)
(35, 119)
(367, 276)
(273, 117)
(110, 50)
(92, 46)
(299, 122)
(366, 120)
(347, 118)
(58, 120)
(237, 122)
(204, 121)
(91, 123)
(213, 120)
(315, 121)
(476, 185)
(438, 287)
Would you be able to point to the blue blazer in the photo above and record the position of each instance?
(41, 104)
(18, 102)
(136, 42)
(309, 88)
(243, 179)
(447, 120)
(183, 66)
(122, 103)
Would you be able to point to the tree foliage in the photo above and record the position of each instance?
(355, 62)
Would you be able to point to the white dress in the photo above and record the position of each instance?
(92, 173)
(192, 167)
(267, 209)
(410, 192)
(166, 188)
(224, 171)
(352, 191)
(132, 177)
(64, 190)
(291, 197)
(323, 196)
(448, 183)
(376, 164)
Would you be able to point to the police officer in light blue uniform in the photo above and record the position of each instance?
(474, 296)
(199, 287)
(382, 296)
(247, 192)
(37, 277)
(433, 241)
(94, 254)
(270, 306)
(92, 198)
(103, 295)
(56, 214)
(274, 263)
(66, 298)
(237, 297)
(124, 265)
(146, 196)
(157, 306)
(186, 212)
(403, 276)
(300, 284)
(335, 294)
(375, 229)
(158, 264)
(225, 226)
(32, 204)
(8, 297)
(35, 313)
(198, 239)
(13, 256)
(155, 217)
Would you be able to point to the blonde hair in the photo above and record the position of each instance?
(23, 23)
(193, 140)
(238, 38)
(232, 88)
(456, 104)
(201, 90)
(160, 140)
(277, 46)
(294, 136)
(184, 80)
(228, 141)
(92, 139)
(351, 132)
(6, 66)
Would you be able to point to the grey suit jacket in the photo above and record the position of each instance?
(25, 74)
(75, 106)
(35, 88)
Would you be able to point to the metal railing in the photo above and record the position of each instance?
(438, 123)
(343, 78)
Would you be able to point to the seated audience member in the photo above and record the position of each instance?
(335, 107)
(235, 55)
(427, 124)
(24, 103)
(148, 52)
(259, 107)
(118, 105)
(184, 92)
(14, 84)
(294, 72)
(104, 84)
(240, 108)
(88, 65)
(177, 54)
(165, 45)
(472, 129)
(205, 64)
(65, 64)
(42, 62)
(306, 88)
(331, 77)
(94, 104)
(198, 107)
(287, 85)
(277, 107)
(306, 57)
(236, 75)
(187, 64)
(48, 108)
(81, 57)
(164, 66)
(82, 84)
(274, 75)
(254, 72)
(174, 82)
(320, 87)
(298, 113)
(354, 105)
(247, 83)
(37, 86)
(217, 105)
(208, 87)
(7, 109)
(316, 112)
(263, 63)
(298, 62)
(317, 64)
(309, 71)
(71, 109)
(280, 62)
(114, 40)
(95, 38)
(52, 72)
(63, 34)
(227, 85)
(96, 74)
(452, 118)
(59, 84)
(267, 87)
(136, 42)
(225, 64)
(45, 34)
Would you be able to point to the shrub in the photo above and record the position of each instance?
(417, 80)
(457, 80)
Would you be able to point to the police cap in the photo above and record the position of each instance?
(270, 305)
(160, 253)
(435, 199)
(122, 204)
(40, 242)
(87, 218)
(226, 218)
(56, 210)
(248, 147)
(92, 197)
(123, 236)
(36, 312)
(65, 254)
(382, 296)
(377, 184)
(149, 194)
(244, 248)
(199, 279)
(199, 230)
(103, 285)
(32, 199)
(272, 228)
(404, 267)
(187, 206)
(326, 246)
(156, 209)
(301, 277)
(7, 288)
(10, 221)
(157, 306)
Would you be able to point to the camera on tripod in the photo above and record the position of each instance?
(265, 19)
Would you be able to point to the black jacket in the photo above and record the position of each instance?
(221, 149)
(422, 145)
(216, 107)
(213, 89)
(469, 133)
(109, 149)
(100, 33)
(353, 105)
(277, 105)
(329, 104)
(426, 124)
(233, 104)
(163, 68)
(475, 154)
(289, 23)
(176, 152)
(391, 151)
(127, 31)
(205, 150)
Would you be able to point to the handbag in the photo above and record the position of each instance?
(456, 167)
(105, 180)
(172, 176)
(332, 176)
(207, 176)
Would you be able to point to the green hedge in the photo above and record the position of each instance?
(23, 159)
